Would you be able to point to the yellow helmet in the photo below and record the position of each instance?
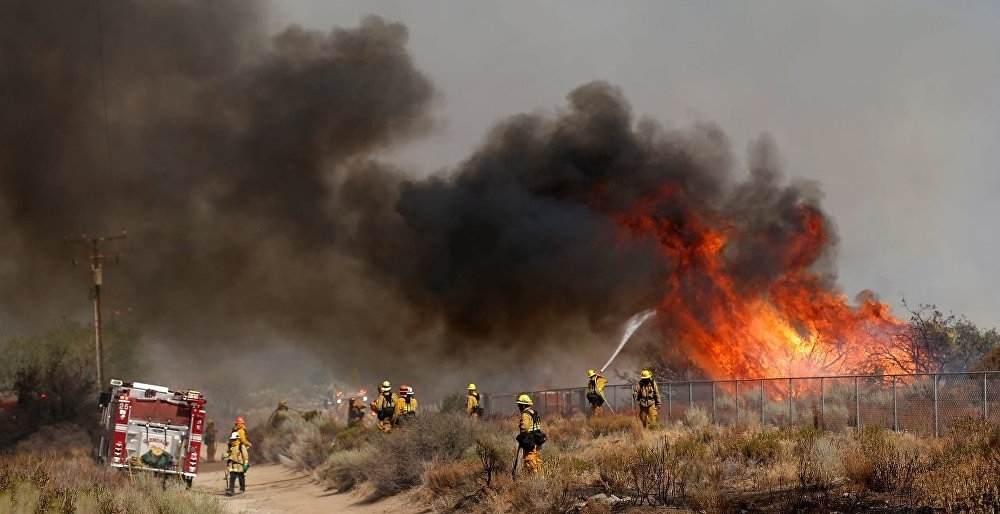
(524, 400)
(386, 387)
(645, 374)
(472, 387)
(591, 373)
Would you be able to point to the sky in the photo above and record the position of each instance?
(445, 182)
(892, 107)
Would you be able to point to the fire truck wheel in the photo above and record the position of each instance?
(188, 481)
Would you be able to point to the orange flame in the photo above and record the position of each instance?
(734, 324)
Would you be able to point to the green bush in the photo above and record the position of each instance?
(756, 447)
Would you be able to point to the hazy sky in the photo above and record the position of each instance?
(893, 107)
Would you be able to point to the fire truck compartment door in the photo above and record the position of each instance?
(141, 437)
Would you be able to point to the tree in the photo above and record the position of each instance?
(53, 376)
(933, 342)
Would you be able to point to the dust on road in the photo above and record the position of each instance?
(274, 489)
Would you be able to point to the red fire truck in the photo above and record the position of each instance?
(152, 428)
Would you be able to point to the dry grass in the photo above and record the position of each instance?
(457, 466)
(36, 482)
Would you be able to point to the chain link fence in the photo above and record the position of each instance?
(923, 403)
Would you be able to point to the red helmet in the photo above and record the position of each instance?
(239, 420)
(402, 389)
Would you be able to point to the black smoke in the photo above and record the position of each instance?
(244, 171)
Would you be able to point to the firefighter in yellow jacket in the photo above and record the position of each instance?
(240, 427)
(472, 405)
(237, 462)
(530, 436)
(384, 406)
(595, 391)
(647, 395)
(406, 406)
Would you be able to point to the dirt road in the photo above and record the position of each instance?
(274, 489)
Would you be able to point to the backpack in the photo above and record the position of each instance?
(646, 386)
(477, 408)
(388, 408)
(533, 438)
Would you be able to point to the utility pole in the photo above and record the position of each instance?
(96, 258)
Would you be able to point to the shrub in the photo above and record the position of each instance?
(300, 443)
(817, 459)
(397, 461)
(696, 418)
(618, 424)
(345, 469)
(565, 434)
(34, 482)
(755, 447)
(453, 402)
(878, 463)
(448, 477)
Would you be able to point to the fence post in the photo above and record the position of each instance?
(857, 405)
(762, 402)
(791, 409)
(670, 400)
(985, 412)
(713, 402)
(935, 405)
(822, 402)
(690, 395)
(895, 407)
(738, 401)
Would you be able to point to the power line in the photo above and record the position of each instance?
(107, 123)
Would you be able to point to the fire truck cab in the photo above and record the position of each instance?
(152, 428)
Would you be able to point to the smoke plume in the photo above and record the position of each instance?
(257, 216)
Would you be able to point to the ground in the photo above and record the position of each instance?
(274, 489)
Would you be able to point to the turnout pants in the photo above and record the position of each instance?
(532, 461)
(233, 476)
(647, 416)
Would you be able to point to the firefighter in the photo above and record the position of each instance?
(472, 406)
(384, 406)
(237, 463)
(530, 436)
(595, 391)
(279, 415)
(209, 438)
(240, 428)
(647, 395)
(406, 406)
(355, 412)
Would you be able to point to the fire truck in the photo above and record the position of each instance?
(152, 428)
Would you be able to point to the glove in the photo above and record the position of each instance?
(246, 467)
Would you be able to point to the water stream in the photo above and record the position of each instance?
(631, 326)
